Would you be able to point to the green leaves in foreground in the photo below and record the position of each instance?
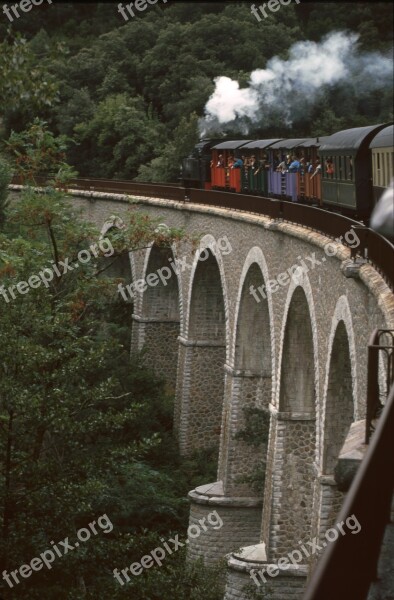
(84, 429)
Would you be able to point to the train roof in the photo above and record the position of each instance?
(318, 141)
(205, 144)
(291, 143)
(260, 143)
(384, 139)
(230, 145)
(349, 139)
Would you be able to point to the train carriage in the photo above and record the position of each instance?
(349, 187)
(283, 185)
(382, 161)
(309, 185)
(255, 180)
(224, 177)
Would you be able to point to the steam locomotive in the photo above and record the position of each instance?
(361, 162)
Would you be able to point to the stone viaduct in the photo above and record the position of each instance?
(298, 354)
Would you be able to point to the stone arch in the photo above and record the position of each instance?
(341, 370)
(158, 318)
(122, 266)
(112, 221)
(253, 336)
(200, 389)
(208, 254)
(249, 388)
(288, 519)
(297, 388)
(299, 281)
(339, 409)
(161, 298)
(259, 275)
(207, 311)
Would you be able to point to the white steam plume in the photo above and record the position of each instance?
(288, 89)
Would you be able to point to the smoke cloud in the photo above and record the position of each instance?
(288, 89)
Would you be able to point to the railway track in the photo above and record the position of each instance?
(373, 247)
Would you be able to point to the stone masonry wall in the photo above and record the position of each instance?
(159, 341)
(287, 585)
(243, 458)
(240, 527)
(202, 414)
(291, 515)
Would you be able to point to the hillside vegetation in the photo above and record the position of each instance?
(130, 93)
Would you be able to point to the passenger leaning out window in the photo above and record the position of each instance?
(317, 170)
(330, 167)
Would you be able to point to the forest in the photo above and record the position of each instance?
(130, 94)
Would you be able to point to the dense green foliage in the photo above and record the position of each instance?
(130, 93)
(25, 84)
(84, 430)
(38, 153)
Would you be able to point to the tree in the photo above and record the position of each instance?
(166, 167)
(84, 430)
(326, 122)
(37, 152)
(124, 135)
(71, 442)
(25, 85)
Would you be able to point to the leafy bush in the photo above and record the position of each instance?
(83, 429)
(37, 152)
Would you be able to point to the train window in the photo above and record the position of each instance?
(385, 167)
(336, 168)
(378, 174)
(329, 167)
(323, 168)
(387, 174)
(349, 168)
(339, 170)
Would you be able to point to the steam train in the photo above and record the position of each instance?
(361, 162)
